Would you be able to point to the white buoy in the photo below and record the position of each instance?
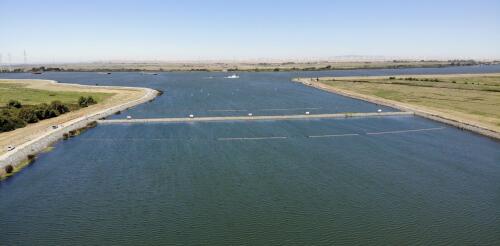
(129, 117)
(191, 116)
(250, 114)
(380, 110)
(307, 113)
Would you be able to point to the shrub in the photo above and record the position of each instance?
(9, 169)
(86, 101)
(28, 115)
(90, 100)
(82, 102)
(44, 111)
(6, 124)
(31, 157)
(59, 107)
(39, 110)
(51, 113)
(14, 104)
(10, 123)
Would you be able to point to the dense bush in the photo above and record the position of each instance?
(28, 115)
(10, 123)
(86, 101)
(59, 107)
(15, 115)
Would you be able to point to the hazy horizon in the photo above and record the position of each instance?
(170, 31)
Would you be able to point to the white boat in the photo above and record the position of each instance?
(149, 73)
(234, 76)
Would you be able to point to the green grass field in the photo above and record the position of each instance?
(28, 96)
(474, 97)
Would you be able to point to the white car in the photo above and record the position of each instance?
(10, 148)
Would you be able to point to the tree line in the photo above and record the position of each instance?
(16, 115)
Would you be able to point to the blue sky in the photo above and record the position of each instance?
(92, 30)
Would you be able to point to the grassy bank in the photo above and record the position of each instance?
(20, 105)
(29, 96)
(473, 98)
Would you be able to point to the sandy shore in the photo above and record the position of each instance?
(451, 119)
(36, 137)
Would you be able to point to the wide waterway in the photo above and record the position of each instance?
(387, 180)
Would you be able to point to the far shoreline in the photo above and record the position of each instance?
(311, 66)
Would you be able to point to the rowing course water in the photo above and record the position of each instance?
(210, 94)
(361, 181)
(386, 180)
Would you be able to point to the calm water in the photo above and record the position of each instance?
(365, 181)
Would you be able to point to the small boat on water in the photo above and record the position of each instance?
(36, 72)
(234, 76)
(146, 73)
